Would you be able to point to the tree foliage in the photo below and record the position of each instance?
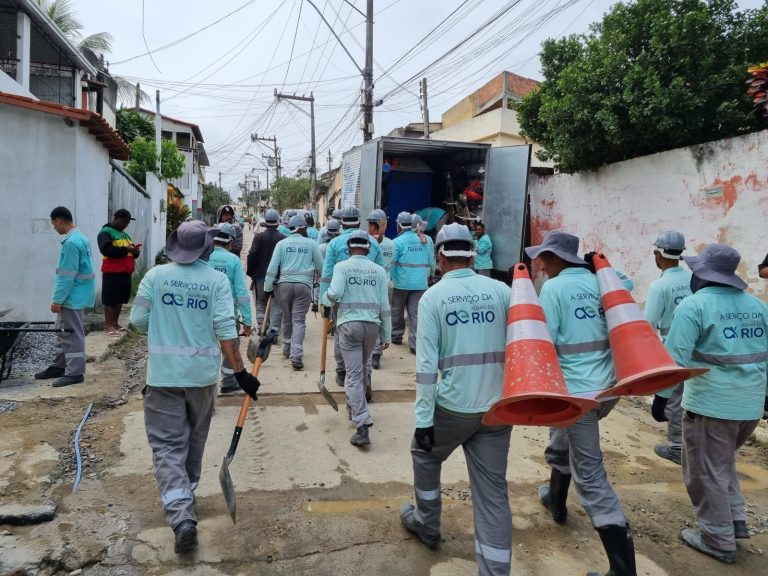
(176, 213)
(131, 125)
(63, 14)
(213, 197)
(144, 159)
(287, 192)
(652, 76)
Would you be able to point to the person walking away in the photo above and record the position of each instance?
(312, 232)
(664, 295)
(722, 328)
(284, 228)
(257, 261)
(73, 291)
(224, 261)
(359, 288)
(118, 263)
(186, 310)
(459, 376)
(331, 214)
(483, 261)
(570, 298)
(226, 213)
(413, 262)
(333, 230)
(377, 226)
(293, 264)
(338, 251)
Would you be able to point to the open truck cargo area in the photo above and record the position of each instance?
(444, 182)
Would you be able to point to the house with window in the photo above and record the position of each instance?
(189, 139)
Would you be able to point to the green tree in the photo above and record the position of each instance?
(213, 197)
(131, 125)
(177, 213)
(287, 192)
(652, 76)
(144, 159)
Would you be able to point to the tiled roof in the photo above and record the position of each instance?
(93, 122)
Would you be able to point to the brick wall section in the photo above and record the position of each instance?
(519, 85)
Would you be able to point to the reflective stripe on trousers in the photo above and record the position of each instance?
(70, 346)
(486, 449)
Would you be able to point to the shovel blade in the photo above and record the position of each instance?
(228, 489)
(253, 347)
(327, 395)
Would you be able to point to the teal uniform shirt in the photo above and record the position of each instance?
(387, 252)
(359, 287)
(75, 286)
(312, 233)
(725, 330)
(460, 345)
(323, 249)
(338, 252)
(230, 265)
(185, 312)
(320, 235)
(284, 230)
(576, 321)
(484, 247)
(664, 295)
(294, 260)
(412, 261)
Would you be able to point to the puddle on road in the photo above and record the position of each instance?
(751, 479)
(340, 506)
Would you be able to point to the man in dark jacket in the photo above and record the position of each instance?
(119, 254)
(259, 257)
(226, 213)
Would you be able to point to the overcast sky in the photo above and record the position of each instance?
(224, 77)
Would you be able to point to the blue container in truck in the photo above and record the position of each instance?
(408, 190)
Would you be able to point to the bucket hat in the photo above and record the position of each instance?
(189, 242)
(560, 244)
(717, 263)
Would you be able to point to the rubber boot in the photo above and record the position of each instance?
(555, 495)
(620, 549)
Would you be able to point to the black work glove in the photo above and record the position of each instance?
(657, 409)
(326, 311)
(249, 383)
(314, 307)
(425, 438)
(588, 257)
(269, 294)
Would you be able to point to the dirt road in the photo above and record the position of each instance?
(308, 501)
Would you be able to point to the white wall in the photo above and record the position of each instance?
(10, 86)
(158, 192)
(715, 192)
(43, 164)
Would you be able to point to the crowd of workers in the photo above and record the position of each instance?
(195, 308)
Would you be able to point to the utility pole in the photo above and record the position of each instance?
(138, 97)
(158, 134)
(257, 138)
(219, 180)
(368, 75)
(330, 163)
(426, 107)
(312, 157)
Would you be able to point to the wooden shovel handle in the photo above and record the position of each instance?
(326, 324)
(247, 399)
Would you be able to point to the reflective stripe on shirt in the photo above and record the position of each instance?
(476, 359)
(167, 349)
(730, 359)
(582, 347)
(425, 378)
(64, 272)
(359, 306)
(408, 265)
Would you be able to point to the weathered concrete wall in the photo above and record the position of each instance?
(715, 192)
(43, 164)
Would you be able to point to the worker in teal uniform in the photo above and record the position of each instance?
(377, 226)
(459, 376)
(664, 296)
(725, 329)
(483, 262)
(571, 301)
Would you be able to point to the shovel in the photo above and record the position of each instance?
(225, 479)
(321, 382)
(253, 344)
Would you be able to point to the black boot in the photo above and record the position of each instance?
(620, 549)
(555, 495)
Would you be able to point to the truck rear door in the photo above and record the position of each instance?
(504, 202)
(370, 177)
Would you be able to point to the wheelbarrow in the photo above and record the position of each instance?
(10, 336)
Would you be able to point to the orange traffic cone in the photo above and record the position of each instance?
(643, 366)
(534, 392)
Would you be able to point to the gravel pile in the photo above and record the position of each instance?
(33, 352)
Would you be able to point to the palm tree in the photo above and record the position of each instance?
(63, 14)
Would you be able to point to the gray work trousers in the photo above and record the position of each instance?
(709, 473)
(70, 346)
(227, 372)
(337, 355)
(295, 299)
(403, 300)
(356, 341)
(674, 413)
(275, 309)
(486, 449)
(177, 422)
(378, 350)
(576, 450)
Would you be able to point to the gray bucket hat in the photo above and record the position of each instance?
(560, 244)
(717, 263)
(189, 242)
